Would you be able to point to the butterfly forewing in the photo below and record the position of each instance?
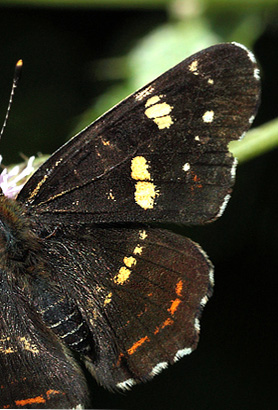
(161, 154)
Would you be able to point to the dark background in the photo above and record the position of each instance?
(234, 365)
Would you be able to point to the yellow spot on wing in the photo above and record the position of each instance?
(129, 261)
(152, 100)
(143, 234)
(31, 347)
(122, 276)
(158, 110)
(108, 299)
(163, 122)
(145, 191)
(110, 195)
(193, 67)
(145, 194)
(104, 141)
(138, 250)
(8, 350)
(139, 168)
(38, 187)
(27, 345)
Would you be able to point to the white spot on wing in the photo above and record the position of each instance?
(181, 353)
(186, 167)
(223, 206)
(257, 74)
(158, 368)
(248, 52)
(211, 277)
(233, 169)
(126, 385)
(204, 301)
(208, 116)
(144, 93)
(197, 325)
(251, 58)
(251, 119)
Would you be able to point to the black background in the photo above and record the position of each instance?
(234, 365)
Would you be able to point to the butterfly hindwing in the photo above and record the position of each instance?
(134, 297)
(161, 154)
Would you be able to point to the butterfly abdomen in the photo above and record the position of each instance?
(62, 316)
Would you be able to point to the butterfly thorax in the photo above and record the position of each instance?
(19, 246)
(22, 261)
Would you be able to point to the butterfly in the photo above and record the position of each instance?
(84, 273)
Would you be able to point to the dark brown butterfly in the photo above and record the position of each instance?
(82, 271)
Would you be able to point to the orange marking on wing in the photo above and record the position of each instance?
(119, 359)
(142, 312)
(7, 407)
(167, 322)
(175, 303)
(38, 399)
(179, 287)
(50, 392)
(139, 342)
(196, 179)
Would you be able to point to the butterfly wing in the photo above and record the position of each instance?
(36, 370)
(141, 292)
(161, 154)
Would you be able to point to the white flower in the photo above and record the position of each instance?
(13, 180)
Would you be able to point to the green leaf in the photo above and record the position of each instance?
(256, 142)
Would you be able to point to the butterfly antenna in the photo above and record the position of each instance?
(17, 75)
